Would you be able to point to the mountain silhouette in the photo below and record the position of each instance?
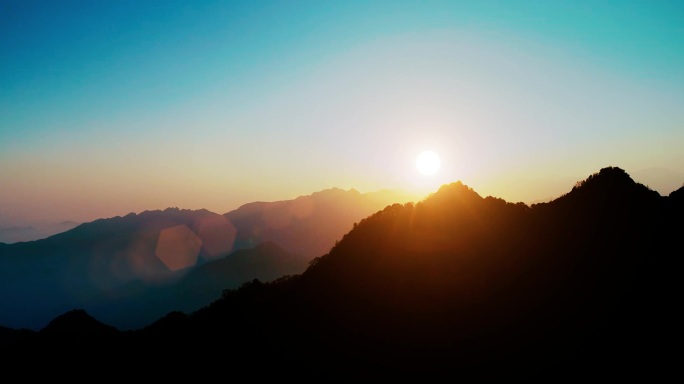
(77, 323)
(458, 284)
(109, 263)
(83, 332)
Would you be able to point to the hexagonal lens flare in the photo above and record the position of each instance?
(178, 247)
(217, 234)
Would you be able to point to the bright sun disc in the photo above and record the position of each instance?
(427, 162)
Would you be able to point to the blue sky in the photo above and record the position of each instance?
(110, 107)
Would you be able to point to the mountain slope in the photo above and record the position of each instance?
(138, 304)
(308, 225)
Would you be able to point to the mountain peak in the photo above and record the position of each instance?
(608, 175)
(612, 186)
(336, 191)
(76, 322)
(453, 191)
(611, 180)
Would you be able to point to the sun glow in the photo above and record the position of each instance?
(428, 163)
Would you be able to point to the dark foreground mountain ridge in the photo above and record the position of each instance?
(460, 285)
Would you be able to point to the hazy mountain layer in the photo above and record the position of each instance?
(138, 259)
(308, 225)
(138, 304)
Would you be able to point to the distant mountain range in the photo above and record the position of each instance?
(139, 260)
(15, 234)
(660, 179)
(308, 225)
(455, 286)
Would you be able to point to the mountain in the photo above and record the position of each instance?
(308, 225)
(14, 234)
(456, 286)
(103, 264)
(43, 278)
(138, 304)
(77, 323)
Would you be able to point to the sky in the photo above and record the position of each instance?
(112, 107)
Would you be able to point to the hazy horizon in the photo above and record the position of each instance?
(663, 180)
(112, 108)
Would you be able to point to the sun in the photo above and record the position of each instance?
(428, 163)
